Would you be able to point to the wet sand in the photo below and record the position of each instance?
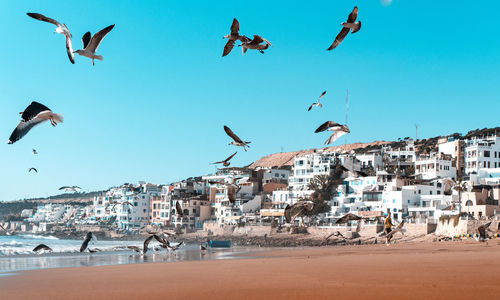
(446, 270)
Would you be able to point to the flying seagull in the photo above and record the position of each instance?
(33, 115)
(6, 231)
(236, 140)
(338, 130)
(90, 44)
(178, 209)
(346, 26)
(297, 209)
(86, 241)
(70, 188)
(123, 203)
(255, 43)
(174, 248)
(482, 232)
(232, 37)
(35, 152)
(232, 188)
(318, 104)
(225, 162)
(32, 169)
(60, 28)
(348, 217)
(42, 247)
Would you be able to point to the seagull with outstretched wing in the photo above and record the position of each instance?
(236, 140)
(42, 247)
(255, 43)
(225, 162)
(318, 104)
(70, 188)
(337, 129)
(32, 169)
(297, 209)
(90, 44)
(232, 37)
(60, 28)
(481, 230)
(178, 209)
(350, 24)
(33, 115)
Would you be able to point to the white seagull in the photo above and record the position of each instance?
(70, 188)
(247, 43)
(318, 104)
(338, 130)
(236, 140)
(60, 28)
(33, 115)
(90, 44)
(346, 26)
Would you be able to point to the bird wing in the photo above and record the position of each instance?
(353, 15)
(244, 39)
(85, 242)
(41, 247)
(97, 38)
(266, 41)
(322, 94)
(228, 47)
(335, 135)
(135, 248)
(76, 187)
(229, 158)
(146, 243)
(310, 107)
(339, 38)
(257, 39)
(69, 49)
(178, 208)
(86, 39)
(231, 193)
(64, 187)
(288, 217)
(41, 17)
(33, 110)
(232, 135)
(235, 27)
(23, 128)
(326, 125)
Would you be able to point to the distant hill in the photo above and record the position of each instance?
(68, 198)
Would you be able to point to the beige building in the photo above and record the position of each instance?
(481, 201)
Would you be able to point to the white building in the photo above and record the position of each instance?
(482, 154)
(434, 167)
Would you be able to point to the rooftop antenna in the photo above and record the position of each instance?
(416, 132)
(346, 110)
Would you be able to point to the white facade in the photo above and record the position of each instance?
(482, 154)
(434, 167)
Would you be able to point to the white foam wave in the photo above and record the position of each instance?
(40, 237)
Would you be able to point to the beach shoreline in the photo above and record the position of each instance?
(458, 270)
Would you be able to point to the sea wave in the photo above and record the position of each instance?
(11, 244)
(40, 237)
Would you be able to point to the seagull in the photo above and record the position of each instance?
(346, 26)
(94, 250)
(247, 43)
(6, 231)
(135, 248)
(42, 247)
(203, 249)
(318, 104)
(33, 115)
(70, 188)
(338, 130)
(146, 243)
(174, 248)
(60, 28)
(90, 44)
(232, 37)
(293, 211)
(236, 140)
(32, 169)
(482, 232)
(348, 217)
(178, 209)
(123, 203)
(86, 241)
(225, 162)
(35, 152)
(232, 188)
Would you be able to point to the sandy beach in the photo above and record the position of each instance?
(446, 270)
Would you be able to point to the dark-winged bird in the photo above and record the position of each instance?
(73, 188)
(60, 28)
(346, 26)
(33, 115)
(318, 104)
(90, 44)
(481, 230)
(337, 129)
(32, 169)
(86, 241)
(225, 162)
(178, 209)
(232, 37)
(236, 140)
(255, 43)
(42, 247)
(297, 209)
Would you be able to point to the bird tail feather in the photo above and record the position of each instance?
(99, 57)
(57, 118)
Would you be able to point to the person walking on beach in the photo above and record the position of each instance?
(388, 228)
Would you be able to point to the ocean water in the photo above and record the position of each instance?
(16, 253)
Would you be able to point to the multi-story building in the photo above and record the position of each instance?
(456, 148)
(435, 166)
(482, 154)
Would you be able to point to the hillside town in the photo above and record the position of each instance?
(418, 181)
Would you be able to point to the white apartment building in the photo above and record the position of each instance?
(406, 153)
(434, 167)
(372, 159)
(482, 154)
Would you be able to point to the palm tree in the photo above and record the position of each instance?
(460, 187)
(324, 186)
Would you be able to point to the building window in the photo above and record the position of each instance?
(486, 153)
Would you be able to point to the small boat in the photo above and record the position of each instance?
(219, 244)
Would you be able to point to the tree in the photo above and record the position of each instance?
(460, 187)
(324, 186)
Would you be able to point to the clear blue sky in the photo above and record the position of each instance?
(154, 109)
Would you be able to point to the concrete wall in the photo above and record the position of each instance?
(463, 227)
